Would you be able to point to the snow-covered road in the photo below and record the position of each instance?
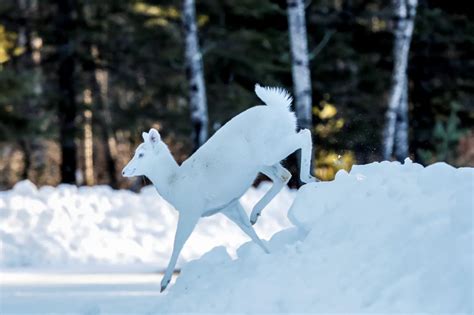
(77, 293)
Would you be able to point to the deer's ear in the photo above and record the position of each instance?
(153, 136)
(145, 136)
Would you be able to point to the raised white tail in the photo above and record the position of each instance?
(274, 96)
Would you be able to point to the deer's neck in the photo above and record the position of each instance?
(163, 176)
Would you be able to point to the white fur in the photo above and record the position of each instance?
(214, 178)
(274, 96)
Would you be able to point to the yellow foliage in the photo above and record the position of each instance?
(202, 20)
(3, 55)
(18, 51)
(324, 130)
(378, 25)
(327, 164)
(156, 10)
(328, 111)
(156, 22)
(159, 15)
(329, 124)
(7, 45)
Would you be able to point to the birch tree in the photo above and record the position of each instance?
(405, 11)
(194, 71)
(300, 64)
(401, 125)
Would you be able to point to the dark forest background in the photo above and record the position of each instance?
(86, 77)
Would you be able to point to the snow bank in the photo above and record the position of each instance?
(98, 228)
(385, 238)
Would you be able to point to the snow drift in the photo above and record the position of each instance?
(385, 238)
(97, 228)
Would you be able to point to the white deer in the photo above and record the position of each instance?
(214, 178)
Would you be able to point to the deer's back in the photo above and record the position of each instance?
(227, 164)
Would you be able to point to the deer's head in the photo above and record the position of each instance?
(147, 155)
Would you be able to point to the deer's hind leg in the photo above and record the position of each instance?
(306, 143)
(280, 177)
(236, 213)
(301, 140)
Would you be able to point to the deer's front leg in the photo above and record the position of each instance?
(186, 224)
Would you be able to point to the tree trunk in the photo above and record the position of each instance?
(36, 43)
(30, 61)
(401, 126)
(67, 109)
(88, 139)
(194, 72)
(301, 75)
(405, 11)
(300, 63)
(25, 148)
(100, 89)
(110, 143)
(23, 43)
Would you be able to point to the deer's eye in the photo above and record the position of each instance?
(140, 155)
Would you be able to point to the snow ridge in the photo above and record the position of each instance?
(98, 228)
(385, 238)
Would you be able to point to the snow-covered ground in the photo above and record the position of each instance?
(386, 238)
(97, 228)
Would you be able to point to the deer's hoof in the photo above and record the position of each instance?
(164, 285)
(254, 218)
(309, 179)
